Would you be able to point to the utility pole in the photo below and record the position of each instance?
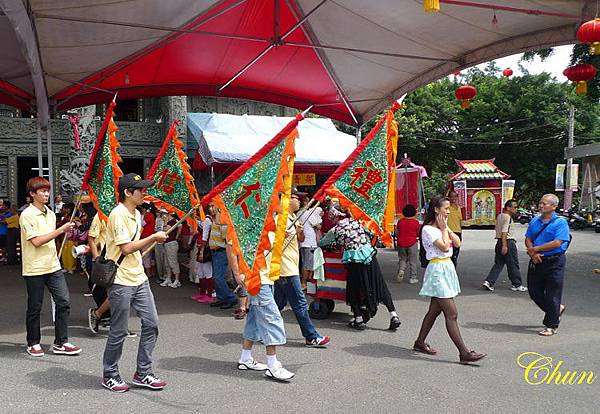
(568, 201)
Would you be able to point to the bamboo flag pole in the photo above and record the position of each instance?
(189, 213)
(64, 240)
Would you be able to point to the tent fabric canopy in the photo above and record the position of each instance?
(348, 58)
(226, 140)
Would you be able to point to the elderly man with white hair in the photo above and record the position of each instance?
(547, 240)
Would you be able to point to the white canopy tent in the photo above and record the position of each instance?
(232, 139)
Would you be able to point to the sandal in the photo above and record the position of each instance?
(472, 356)
(563, 308)
(425, 348)
(548, 332)
(240, 314)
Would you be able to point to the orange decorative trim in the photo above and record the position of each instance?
(264, 244)
(187, 177)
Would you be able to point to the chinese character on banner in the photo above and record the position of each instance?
(241, 200)
(461, 189)
(167, 181)
(373, 177)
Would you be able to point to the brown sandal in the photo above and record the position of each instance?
(240, 314)
(472, 356)
(425, 348)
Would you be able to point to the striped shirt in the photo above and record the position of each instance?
(217, 240)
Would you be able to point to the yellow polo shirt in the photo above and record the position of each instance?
(455, 219)
(40, 260)
(97, 231)
(122, 228)
(12, 222)
(290, 258)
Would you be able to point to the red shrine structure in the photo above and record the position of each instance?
(482, 190)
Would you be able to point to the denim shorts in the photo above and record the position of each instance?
(264, 322)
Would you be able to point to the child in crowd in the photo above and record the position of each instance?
(407, 236)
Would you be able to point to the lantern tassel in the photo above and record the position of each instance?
(465, 104)
(581, 88)
(431, 5)
(595, 48)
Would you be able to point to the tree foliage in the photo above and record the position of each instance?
(520, 121)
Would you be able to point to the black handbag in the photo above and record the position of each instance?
(104, 270)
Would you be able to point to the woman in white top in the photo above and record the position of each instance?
(440, 282)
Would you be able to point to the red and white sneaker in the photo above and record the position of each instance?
(66, 349)
(35, 350)
(149, 381)
(115, 384)
(321, 342)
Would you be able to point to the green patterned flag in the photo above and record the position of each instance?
(365, 183)
(102, 177)
(174, 187)
(249, 198)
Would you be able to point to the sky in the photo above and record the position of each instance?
(555, 64)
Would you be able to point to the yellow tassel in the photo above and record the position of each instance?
(581, 88)
(282, 219)
(595, 48)
(431, 5)
(465, 104)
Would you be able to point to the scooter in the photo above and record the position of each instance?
(524, 215)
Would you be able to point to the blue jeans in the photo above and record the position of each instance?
(35, 297)
(219, 263)
(289, 289)
(545, 284)
(121, 299)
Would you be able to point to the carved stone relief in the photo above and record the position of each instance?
(4, 177)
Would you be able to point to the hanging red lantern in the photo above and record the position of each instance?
(507, 73)
(464, 94)
(580, 74)
(589, 33)
(455, 73)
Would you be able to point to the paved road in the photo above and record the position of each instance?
(373, 370)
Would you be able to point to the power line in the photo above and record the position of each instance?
(495, 143)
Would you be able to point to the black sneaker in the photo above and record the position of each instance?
(93, 321)
(394, 323)
(359, 326)
(115, 384)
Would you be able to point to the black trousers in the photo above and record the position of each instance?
(35, 298)
(510, 260)
(545, 283)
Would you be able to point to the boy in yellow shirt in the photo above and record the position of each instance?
(41, 267)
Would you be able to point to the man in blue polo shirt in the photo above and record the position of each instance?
(547, 240)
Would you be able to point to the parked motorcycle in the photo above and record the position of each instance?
(524, 215)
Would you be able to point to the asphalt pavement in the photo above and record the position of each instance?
(370, 371)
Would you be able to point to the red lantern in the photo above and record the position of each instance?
(507, 72)
(580, 74)
(455, 73)
(464, 94)
(589, 33)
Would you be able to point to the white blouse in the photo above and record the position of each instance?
(430, 235)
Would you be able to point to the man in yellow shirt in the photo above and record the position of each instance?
(288, 288)
(42, 268)
(455, 218)
(131, 287)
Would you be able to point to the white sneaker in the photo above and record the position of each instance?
(413, 280)
(486, 285)
(35, 350)
(279, 373)
(251, 365)
(400, 276)
(176, 284)
(518, 288)
(166, 282)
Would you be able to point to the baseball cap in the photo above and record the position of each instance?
(133, 180)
